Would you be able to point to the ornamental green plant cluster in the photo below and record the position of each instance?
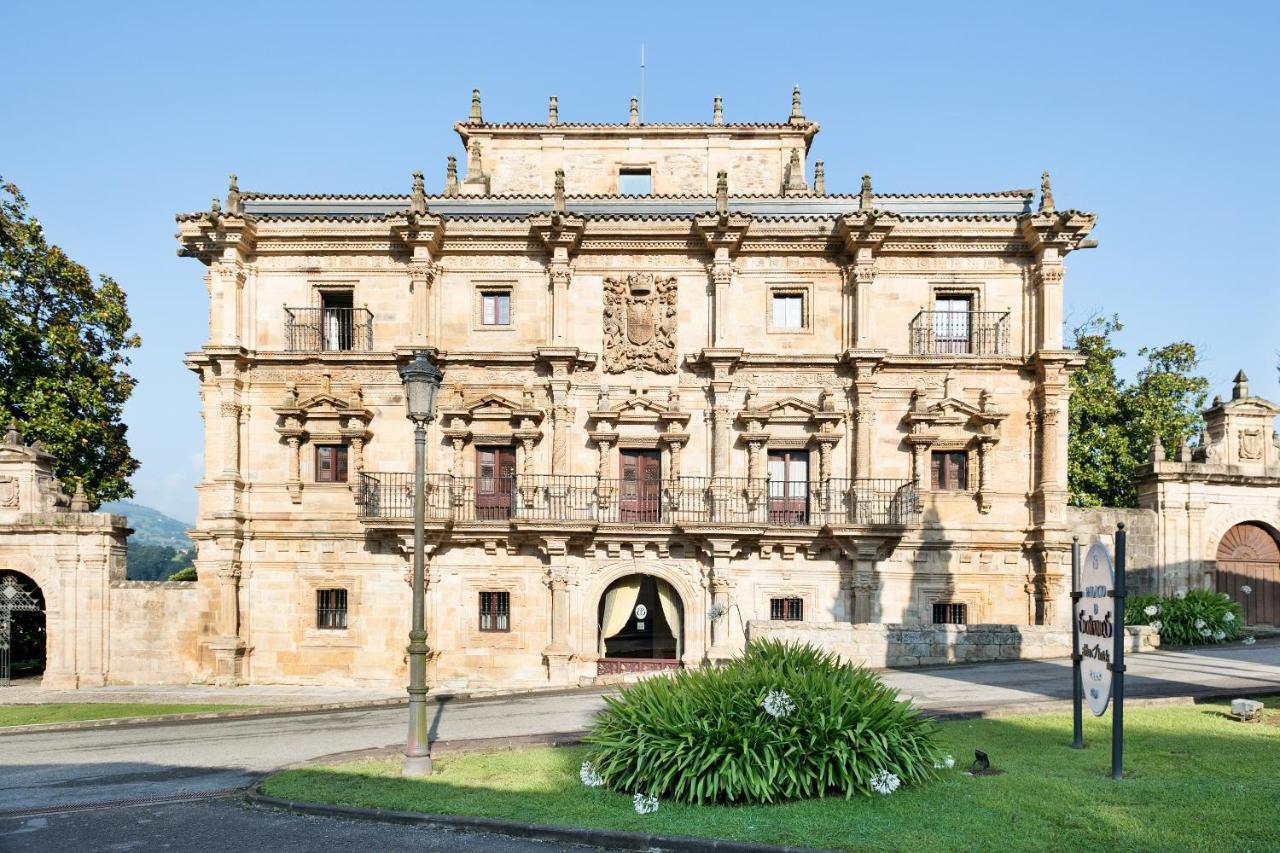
(1196, 617)
(782, 722)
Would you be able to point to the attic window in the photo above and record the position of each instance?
(635, 182)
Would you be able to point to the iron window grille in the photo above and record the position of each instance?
(786, 609)
(495, 611)
(331, 609)
(950, 613)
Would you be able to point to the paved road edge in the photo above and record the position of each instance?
(608, 838)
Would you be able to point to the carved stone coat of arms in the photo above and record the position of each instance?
(640, 324)
(1250, 445)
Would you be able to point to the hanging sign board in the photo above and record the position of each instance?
(1096, 623)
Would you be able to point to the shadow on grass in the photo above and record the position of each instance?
(1194, 781)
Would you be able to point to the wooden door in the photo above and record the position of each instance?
(495, 482)
(1248, 556)
(788, 487)
(640, 496)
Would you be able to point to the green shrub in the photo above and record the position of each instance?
(1200, 616)
(187, 574)
(704, 735)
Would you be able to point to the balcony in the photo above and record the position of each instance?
(682, 501)
(960, 333)
(328, 329)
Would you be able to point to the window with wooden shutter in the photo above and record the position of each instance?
(331, 463)
(949, 470)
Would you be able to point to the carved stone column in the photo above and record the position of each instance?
(986, 447)
(422, 275)
(862, 276)
(560, 276)
(720, 551)
(227, 647)
(721, 281)
(231, 439)
(559, 652)
(295, 468)
(561, 423)
(866, 582)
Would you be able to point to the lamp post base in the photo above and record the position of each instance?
(416, 766)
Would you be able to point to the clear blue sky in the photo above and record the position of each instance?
(1161, 118)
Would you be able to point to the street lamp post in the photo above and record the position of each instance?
(421, 381)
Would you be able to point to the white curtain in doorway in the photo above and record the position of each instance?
(618, 602)
(671, 610)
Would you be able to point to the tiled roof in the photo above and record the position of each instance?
(1000, 205)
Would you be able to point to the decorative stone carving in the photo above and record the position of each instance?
(1250, 445)
(640, 323)
(8, 492)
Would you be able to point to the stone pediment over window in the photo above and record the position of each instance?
(322, 418)
(823, 418)
(955, 424)
(494, 418)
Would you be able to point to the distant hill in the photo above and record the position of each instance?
(150, 526)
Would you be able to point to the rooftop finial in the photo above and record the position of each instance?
(797, 114)
(451, 177)
(418, 198)
(1046, 194)
(1240, 388)
(553, 111)
(11, 435)
(215, 207)
(476, 117)
(79, 501)
(1157, 449)
(864, 197)
(557, 201)
(795, 174)
(819, 178)
(722, 193)
(233, 196)
(717, 111)
(634, 120)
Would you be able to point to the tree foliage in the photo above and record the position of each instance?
(64, 342)
(1113, 422)
(154, 562)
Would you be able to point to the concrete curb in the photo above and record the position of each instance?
(611, 839)
(285, 710)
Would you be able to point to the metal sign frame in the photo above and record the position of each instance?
(1115, 667)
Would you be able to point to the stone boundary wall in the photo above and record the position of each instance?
(154, 631)
(880, 646)
(1098, 524)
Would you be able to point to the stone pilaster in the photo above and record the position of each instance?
(559, 652)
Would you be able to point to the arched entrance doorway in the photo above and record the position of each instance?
(1248, 556)
(22, 628)
(640, 626)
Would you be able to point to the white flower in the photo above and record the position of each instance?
(716, 612)
(1182, 593)
(644, 803)
(1225, 597)
(1199, 623)
(1248, 641)
(948, 762)
(885, 782)
(1151, 610)
(589, 776)
(1219, 635)
(1228, 617)
(1157, 624)
(1205, 632)
(778, 704)
(1246, 589)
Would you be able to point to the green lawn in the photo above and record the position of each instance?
(70, 712)
(1196, 780)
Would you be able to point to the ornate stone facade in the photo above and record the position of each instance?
(757, 398)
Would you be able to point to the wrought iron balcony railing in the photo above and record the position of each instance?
(960, 333)
(328, 329)
(678, 500)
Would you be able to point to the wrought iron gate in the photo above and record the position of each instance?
(12, 598)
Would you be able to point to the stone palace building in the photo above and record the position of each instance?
(687, 389)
